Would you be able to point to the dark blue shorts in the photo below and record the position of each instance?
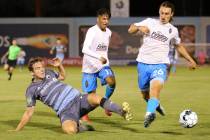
(76, 109)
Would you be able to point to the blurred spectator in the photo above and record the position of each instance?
(21, 59)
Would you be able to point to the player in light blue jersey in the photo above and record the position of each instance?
(68, 103)
(60, 49)
(158, 35)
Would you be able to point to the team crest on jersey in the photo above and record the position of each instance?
(48, 76)
(170, 30)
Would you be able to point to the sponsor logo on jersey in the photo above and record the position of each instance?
(101, 47)
(159, 36)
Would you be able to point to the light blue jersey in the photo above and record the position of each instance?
(89, 80)
(59, 51)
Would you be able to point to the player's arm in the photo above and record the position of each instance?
(133, 29)
(52, 49)
(56, 62)
(64, 49)
(181, 49)
(25, 118)
(86, 47)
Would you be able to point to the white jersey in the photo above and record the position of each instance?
(155, 46)
(95, 46)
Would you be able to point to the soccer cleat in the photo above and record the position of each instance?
(149, 118)
(127, 114)
(108, 113)
(85, 118)
(161, 110)
(85, 127)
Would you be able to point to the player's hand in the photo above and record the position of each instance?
(192, 65)
(103, 60)
(56, 62)
(144, 30)
(51, 52)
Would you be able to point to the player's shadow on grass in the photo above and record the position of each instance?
(117, 124)
(45, 114)
(171, 133)
(51, 127)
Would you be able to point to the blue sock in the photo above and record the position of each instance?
(109, 91)
(152, 105)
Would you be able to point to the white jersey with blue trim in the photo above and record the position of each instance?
(155, 46)
(95, 46)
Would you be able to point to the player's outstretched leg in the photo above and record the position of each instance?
(124, 111)
(111, 84)
(159, 109)
(150, 116)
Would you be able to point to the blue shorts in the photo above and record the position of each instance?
(20, 61)
(89, 80)
(60, 56)
(148, 72)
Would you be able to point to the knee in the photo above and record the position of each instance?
(94, 99)
(111, 81)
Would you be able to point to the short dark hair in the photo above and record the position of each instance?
(103, 11)
(32, 61)
(169, 5)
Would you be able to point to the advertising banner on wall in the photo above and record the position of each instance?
(208, 41)
(187, 35)
(34, 39)
(124, 47)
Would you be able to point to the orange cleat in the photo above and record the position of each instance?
(108, 113)
(85, 118)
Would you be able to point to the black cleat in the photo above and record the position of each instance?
(161, 110)
(149, 118)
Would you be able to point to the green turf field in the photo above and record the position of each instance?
(187, 89)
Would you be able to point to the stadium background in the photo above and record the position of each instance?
(37, 23)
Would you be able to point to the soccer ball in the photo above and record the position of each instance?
(188, 118)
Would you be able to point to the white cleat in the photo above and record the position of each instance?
(127, 113)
